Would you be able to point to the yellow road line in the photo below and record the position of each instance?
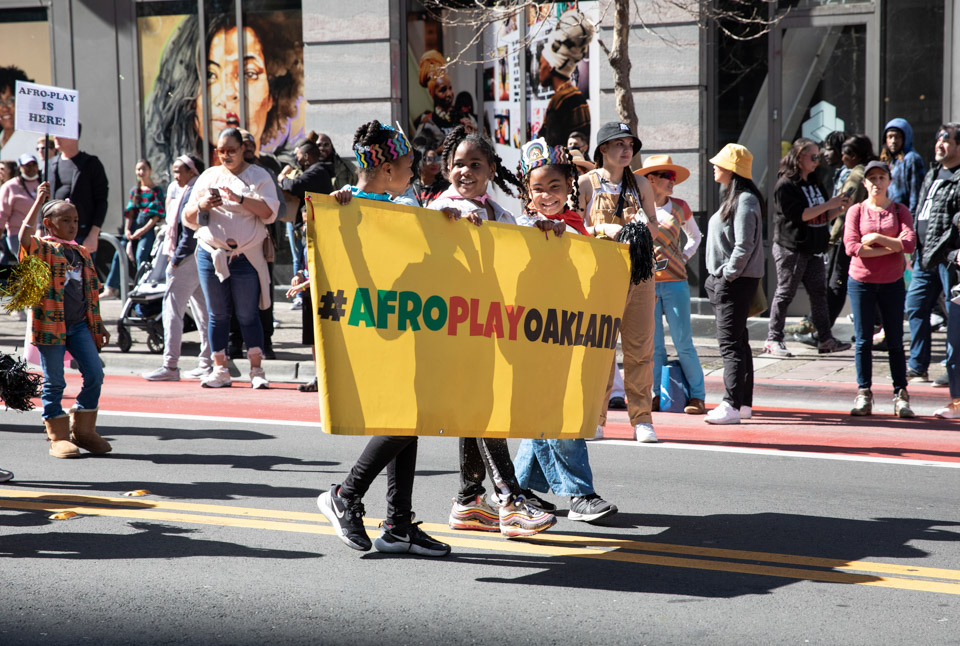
(551, 545)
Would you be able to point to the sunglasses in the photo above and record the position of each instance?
(815, 157)
(228, 151)
(944, 136)
(669, 175)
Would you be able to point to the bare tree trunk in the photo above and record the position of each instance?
(620, 62)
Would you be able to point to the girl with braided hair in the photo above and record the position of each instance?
(470, 163)
(613, 197)
(562, 466)
(385, 157)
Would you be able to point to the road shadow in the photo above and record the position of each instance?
(173, 490)
(275, 463)
(151, 541)
(163, 434)
(679, 560)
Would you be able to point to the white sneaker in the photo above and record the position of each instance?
(218, 378)
(258, 380)
(950, 411)
(723, 414)
(746, 412)
(777, 349)
(644, 432)
(162, 373)
(297, 303)
(200, 372)
(598, 435)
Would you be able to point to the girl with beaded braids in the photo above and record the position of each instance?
(470, 163)
(562, 466)
(385, 157)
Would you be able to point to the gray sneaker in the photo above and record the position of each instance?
(901, 405)
(863, 404)
(942, 381)
(200, 372)
(162, 374)
(831, 345)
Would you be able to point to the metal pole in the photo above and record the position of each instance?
(241, 77)
(204, 88)
(46, 157)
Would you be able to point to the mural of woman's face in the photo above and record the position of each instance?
(223, 81)
(443, 92)
(7, 109)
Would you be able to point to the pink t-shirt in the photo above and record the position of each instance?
(16, 198)
(894, 221)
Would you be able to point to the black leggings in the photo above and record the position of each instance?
(399, 455)
(478, 455)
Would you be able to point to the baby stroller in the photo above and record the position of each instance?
(143, 308)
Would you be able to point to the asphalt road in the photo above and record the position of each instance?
(228, 547)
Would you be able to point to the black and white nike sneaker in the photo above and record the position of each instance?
(409, 539)
(346, 516)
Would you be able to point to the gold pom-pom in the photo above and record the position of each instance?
(28, 284)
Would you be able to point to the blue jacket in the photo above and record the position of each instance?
(906, 172)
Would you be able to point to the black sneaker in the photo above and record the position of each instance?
(942, 381)
(346, 516)
(537, 501)
(914, 377)
(396, 539)
(617, 403)
(590, 508)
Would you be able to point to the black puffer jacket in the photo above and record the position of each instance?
(942, 241)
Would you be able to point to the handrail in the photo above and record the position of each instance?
(124, 271)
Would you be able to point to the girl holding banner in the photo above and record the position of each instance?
(470, 164)
(386, 158)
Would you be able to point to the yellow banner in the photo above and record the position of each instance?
(426, 326)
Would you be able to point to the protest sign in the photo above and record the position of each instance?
(47, 110)
(427, 326)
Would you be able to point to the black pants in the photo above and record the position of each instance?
(838, 269)
(398, 454)
(485, 455)
(731, 300)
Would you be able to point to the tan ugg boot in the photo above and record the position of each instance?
(83, 425)
(58, 433)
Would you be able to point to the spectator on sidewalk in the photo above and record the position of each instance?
(229, 207)
(341, 171)
(80, 178)
(906, 166)
(933, 270)
(734, 253)
(183, 281)
(801, 216)
(428, 182)
(145, 208)
(16, 198)
(674, 246)
(877, 232)
(313, 178)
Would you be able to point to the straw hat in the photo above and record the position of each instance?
(577, 158)
(735, 158)
(655, 163)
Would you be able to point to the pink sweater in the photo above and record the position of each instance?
(894, 221)
(15, 202)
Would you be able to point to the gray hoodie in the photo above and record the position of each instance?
(735, 247)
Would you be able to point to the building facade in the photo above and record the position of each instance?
(328, 66)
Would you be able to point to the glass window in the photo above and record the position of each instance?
(912, 68)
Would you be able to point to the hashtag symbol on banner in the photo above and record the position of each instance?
(331, 306)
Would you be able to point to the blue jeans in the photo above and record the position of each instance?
(239, 293)
(562, 466)
(296, 248)
(673, 301)
(82, 347)
(864, 300)
(142, 253)
(925, 287)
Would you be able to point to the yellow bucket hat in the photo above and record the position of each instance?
(735, 158)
